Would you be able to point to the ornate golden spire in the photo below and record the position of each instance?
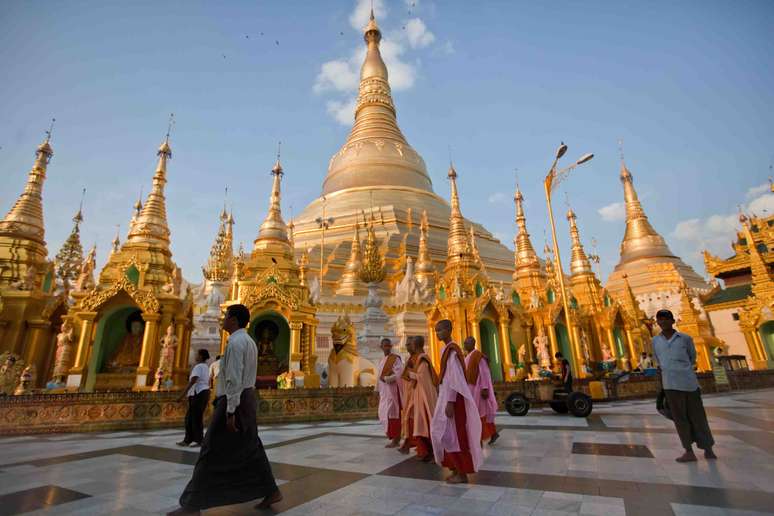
(220, 265)
(629, 301)
(273, 227)
(424, 269)
(150, 224)
(761, 277)
(640, 239)
(116, 244)
(458, 246)
(372, 268)
(579, 262)
(376, 152)
(525, 257)
(70, 256)
(25, 219)
(349, 284)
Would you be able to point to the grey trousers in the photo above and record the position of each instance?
(689, 418)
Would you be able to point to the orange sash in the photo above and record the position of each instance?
(451, 346)
(471, 372)
(433, 374)
(388, 366)
(410, 364)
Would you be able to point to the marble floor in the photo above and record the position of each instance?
(619, 461)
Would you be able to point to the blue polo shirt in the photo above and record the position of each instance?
(676, 357)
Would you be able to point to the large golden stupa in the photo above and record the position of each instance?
(377, 169)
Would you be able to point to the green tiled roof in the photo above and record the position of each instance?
(730, 294)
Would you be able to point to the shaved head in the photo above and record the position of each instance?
(443, 330)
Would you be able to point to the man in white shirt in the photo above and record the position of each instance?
(198, 392)
(232, 467)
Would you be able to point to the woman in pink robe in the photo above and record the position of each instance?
(389, 393)
(479, 378)
(456, 425)
(424, 391)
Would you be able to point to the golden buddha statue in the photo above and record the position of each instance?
(127, 353)
(64, 353)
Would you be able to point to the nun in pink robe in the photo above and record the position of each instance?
(456, 440)
(390, 368)
(479, 378)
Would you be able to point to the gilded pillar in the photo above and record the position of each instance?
(577, 357)
(180, 369)
(633, 354)
(312, 344)
(612, 346)
(752, 345)
(761, 348)
(554, 343)
(475, 332)
(75, 378)
(509, 371)
(38, 346)
(295, 346)
(149, 339)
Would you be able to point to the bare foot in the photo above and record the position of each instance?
(404, 450)
(494, 438)
(457, 479)
(709, 454)
(270, 500)
(686, 457)
(392, 444)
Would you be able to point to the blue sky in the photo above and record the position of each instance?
(688, 86)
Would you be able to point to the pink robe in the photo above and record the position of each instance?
(487, 408)
(442, 429)
(389, 393)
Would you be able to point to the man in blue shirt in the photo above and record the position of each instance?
(676, 356)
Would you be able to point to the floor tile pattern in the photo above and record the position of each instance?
(619, 461)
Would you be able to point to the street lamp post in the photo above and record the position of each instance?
(323, 223)
(552, 180)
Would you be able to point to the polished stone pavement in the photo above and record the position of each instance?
(618, 461)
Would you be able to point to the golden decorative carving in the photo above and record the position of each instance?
(145, 299)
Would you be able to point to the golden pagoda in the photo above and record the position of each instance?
(377, 168)
(70, 257)
(742, 312)
(136, 322)
(272, 286)
(656, 275)
(30, 310)
(464, 295)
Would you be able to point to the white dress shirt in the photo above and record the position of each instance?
(238, 368)
(202, 374)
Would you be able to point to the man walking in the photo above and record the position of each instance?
(676, 356)
(232, 466)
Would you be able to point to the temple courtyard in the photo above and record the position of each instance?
(618, 461)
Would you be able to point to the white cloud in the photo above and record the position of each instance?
(342, 111)
(359, 17)
(716, 232)
(755, 191)
(763, 206)
(613, 212)
(417, 33)
(498, 198)
(337, 75)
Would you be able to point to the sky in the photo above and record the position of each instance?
(687, 86)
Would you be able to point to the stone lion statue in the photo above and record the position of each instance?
(346, 368)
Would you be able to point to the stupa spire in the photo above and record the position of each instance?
(150, 224)
(221, 260)
(579, 262)
(376, 153)
(458, 245)
(70, 256)
(640, 239)
(25, 218)
(525, 256)
(273, 227)
(350, 284)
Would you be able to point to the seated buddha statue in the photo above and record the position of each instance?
(127, 353)
(268, 363)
